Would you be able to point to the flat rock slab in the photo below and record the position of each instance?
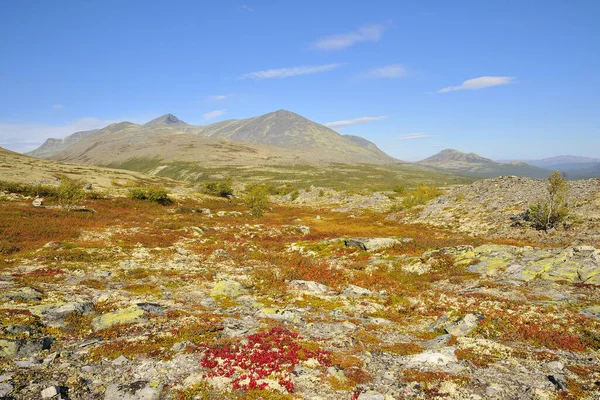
(129, 315)
(229, 288)
(140, 390)
(311, 287)
(464, 325)
(373, 244)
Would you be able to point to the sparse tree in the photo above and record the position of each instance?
(548, 212)
(69, 191)
(257, 199)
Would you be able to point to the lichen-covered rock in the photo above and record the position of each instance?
(229, 288)
(23, 294)
(140, 390)
(129, 315)
(464, 325)
(371, 244)
(311, 287)
(10, 348)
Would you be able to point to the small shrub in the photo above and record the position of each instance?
(548, 212)
(69, 191)
(221, 189)
(399, 189)
(153, 194)
(257, 200)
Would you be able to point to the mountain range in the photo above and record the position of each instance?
(471, 164)
(174, 148)
(277, 137)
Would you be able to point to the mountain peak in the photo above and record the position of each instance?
(455, 155)
(167, 119)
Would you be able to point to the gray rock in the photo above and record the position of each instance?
(433, 358)
(438, 324)
(52, 391)
(370, 395)
(371, 244)
(311, 287)
(464, 325)
(28, 363)
(140, 390)
(5, 389)
(356, 291)
(23, 294)
(438, 342)
(122, 360)
(181, 346)
(55, 316)
(5, 378)
(152, 308)
(129, 264)
(23, 348)
(38, 202)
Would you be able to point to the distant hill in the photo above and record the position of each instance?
(16, 167)
(277, 137)
(471, 164)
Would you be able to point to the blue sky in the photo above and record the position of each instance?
(504, 79)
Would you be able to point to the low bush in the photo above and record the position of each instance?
(69, 191)
(214, 188)
(550, 211)
(153, 194)
(257, 200)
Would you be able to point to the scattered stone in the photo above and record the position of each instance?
(229, 288)
(181, 346)
(558, 382)
(140, 390)
(438, 342)
(129, 315)
(52, 391)
(121, 360)
(464, 325)
(438, 324)
(5, 389)
(23, 294)
(90, 342)
(311, 287)
(129, 264)
(5, 377)
(219, 254)
(152, 308)
(26, 364)
(592, 312)
(431, 358)
(371, 395)
(10, 348)
(55, 314)
(371, 244)
(356, 291)
(38, 202)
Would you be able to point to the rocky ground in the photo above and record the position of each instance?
(200, 300)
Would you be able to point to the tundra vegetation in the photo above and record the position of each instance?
(278, 294)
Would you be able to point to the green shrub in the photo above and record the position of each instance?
(421, 195)
(152, 193)
(257, 199)
(27, 190)
(221, 189)
(69, 191)
(400, 189)
(548, 212)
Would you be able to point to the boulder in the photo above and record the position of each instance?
(357, 291)
(10, 348)
(371, 244)
(311, 287)
(464, 325)
(229, 288)
(129, 315)
(23, 294)
(140, 390)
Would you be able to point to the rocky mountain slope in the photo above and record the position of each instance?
(15, 167)
(495, 207)
(278, 137)
(472, 164)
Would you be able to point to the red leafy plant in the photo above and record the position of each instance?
(265, 357)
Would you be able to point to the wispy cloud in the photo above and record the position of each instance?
(219, 97)
(26, 137)
(245, 8)
(411, 136)
(57, 107)
(480, 83)
(213, 114)
(388, 71)
(355, 121)
(366, 33)
(288, 72)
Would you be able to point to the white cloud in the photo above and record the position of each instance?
(388, 71)
(480, 83)
(366, 33)
(57, 107)
(361, 120)
(26, 137)
(245, 8)
(288, 72)
(410, 136)
(213, 114)
(219, 97)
